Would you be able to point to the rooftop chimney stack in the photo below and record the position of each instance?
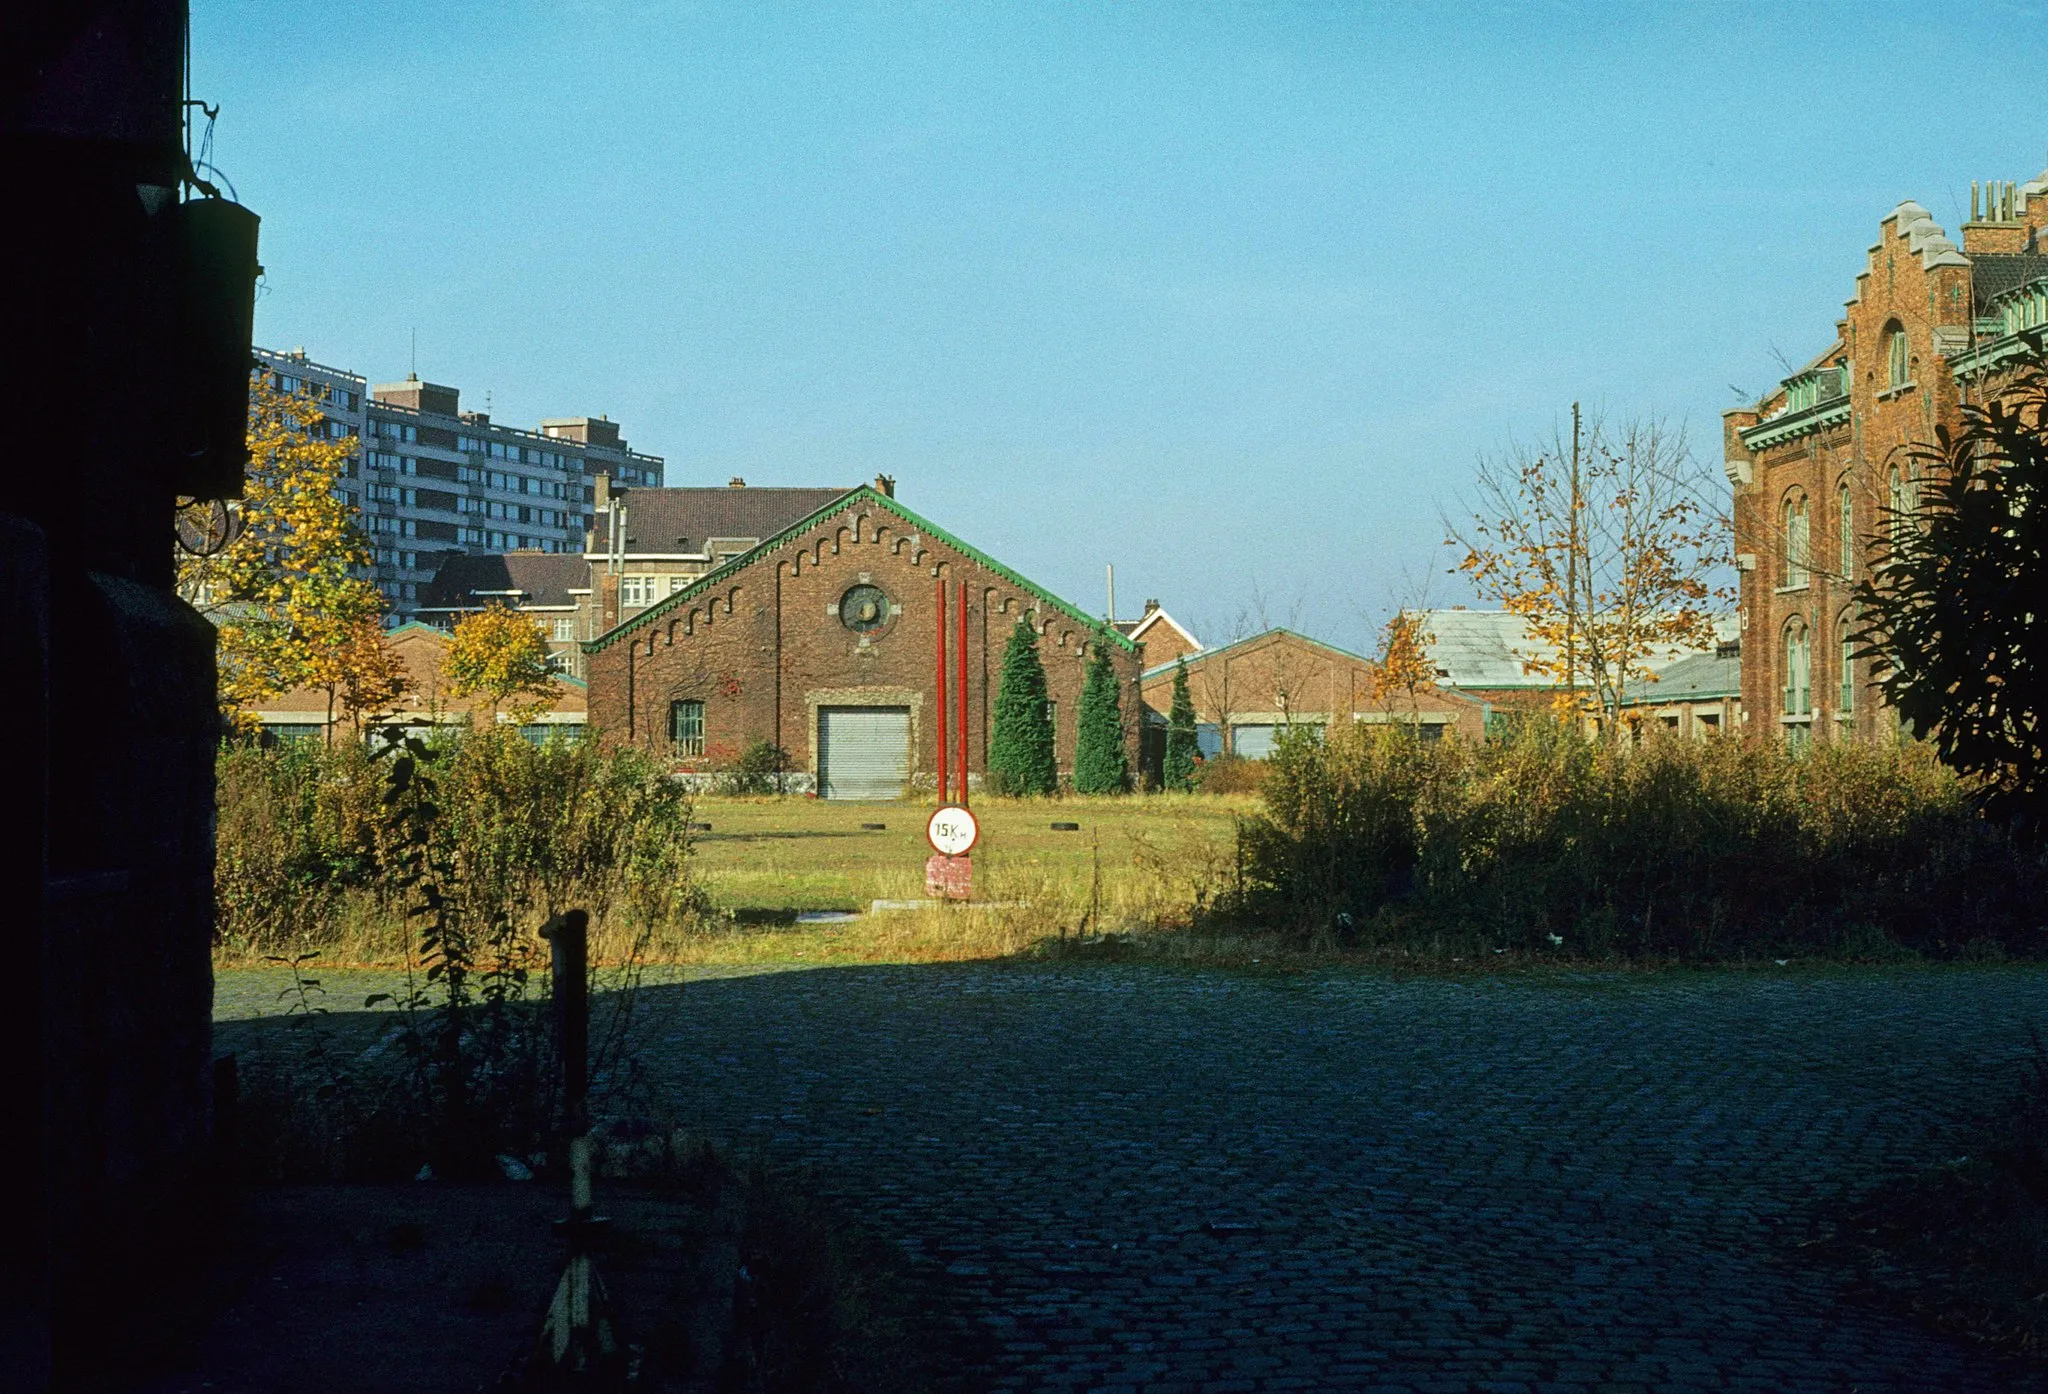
(885, 485)
(735, 483)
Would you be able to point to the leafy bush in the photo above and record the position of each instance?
(1547, 841)
(305, 852)
(756, 770)
(1229, 774)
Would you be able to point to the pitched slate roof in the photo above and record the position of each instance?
(1696, 679)
(465, 581)
(1994, 273)
(681, 520)
(866, 496)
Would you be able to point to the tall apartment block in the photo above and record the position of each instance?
(427, 478)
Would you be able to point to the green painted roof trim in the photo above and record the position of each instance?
(865, 494)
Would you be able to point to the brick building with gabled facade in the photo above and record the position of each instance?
(1821, 464)
(821, 640)
(1248, 692)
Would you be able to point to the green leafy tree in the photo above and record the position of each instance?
(1181, 742)
(1020, 755)
(1101, 765)
(1952, 609)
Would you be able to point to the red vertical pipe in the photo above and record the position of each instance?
(960, 696)
(940, 704)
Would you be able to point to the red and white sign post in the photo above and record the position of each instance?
(949, 872)
(952, 830)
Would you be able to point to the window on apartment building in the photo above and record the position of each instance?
(1897, 356)
(686, 727)
(1798, 670)
(1797, 540)
(565, 629)
(637, 590)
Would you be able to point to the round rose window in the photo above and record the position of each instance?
(864, 609)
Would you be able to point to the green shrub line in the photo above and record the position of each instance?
(1552, 843)
(305, 852)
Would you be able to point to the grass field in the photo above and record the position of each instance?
(1133, 863)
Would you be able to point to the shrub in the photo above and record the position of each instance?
(1020, 757)
(304, 850)
(1182, 742)
(1100, 762)
(1547, 841)
(1229, 774)
(756, 770)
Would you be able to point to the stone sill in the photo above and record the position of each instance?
(1792, 590)
(1901, 390)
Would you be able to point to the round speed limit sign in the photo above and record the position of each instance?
(952, 831)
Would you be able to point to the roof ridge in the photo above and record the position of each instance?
(861, 493)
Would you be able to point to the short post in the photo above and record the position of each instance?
(579, 1347)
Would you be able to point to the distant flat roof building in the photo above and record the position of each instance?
(429, 479)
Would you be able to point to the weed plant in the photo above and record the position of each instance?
(1549, 842)
(307, 858)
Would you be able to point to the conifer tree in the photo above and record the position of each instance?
(1181, 743)
(1100, 763)
(1020, 756)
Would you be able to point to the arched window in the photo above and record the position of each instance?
(1898, 360)
(1798, 671)
(1845, 522)
(1895, 513)
(1845, 700)
(1797, 540)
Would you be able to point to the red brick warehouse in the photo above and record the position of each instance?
(822, 641)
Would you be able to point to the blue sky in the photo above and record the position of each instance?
(1229, 295)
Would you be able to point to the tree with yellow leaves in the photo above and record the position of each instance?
(1607, 546)
(501, 655)
(360, 671)
(1404, 668)
(286, 590)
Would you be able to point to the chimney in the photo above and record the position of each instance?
(600, 491)
(885, 485)
(1150, 606)
(735, 483)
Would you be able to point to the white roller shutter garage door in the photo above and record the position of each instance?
(863, 752)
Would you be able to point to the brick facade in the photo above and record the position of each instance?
(1281, 678)
(760, 641)
(1818, 464)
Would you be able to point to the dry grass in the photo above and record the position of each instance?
(1135, 865)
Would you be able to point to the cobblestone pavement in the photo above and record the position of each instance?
(1155, 1180)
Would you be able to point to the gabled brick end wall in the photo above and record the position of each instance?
(764, 647)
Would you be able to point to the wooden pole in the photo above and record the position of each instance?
(939, 692)
(960, 696)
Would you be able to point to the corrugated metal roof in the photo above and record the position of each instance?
(1493, 648)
